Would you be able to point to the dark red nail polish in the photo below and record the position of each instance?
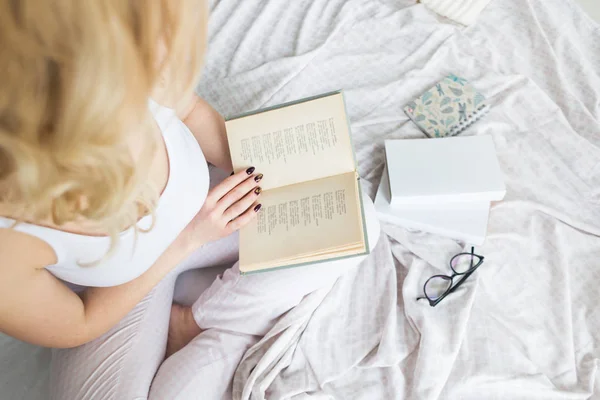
(258, 206)
(257, 190)
(258, 177)
(250, 170)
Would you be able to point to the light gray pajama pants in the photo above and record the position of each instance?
(234, 312)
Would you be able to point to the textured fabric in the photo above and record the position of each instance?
(188, 173)
(121, 364)
(463, 11)
(234, 311)
(526, 325)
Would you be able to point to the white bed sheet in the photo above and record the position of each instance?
(527, 324)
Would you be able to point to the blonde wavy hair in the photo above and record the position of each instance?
(75, 79)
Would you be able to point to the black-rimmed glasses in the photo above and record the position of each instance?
(439, 286)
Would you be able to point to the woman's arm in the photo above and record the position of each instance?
(208, 126)
(38, 308)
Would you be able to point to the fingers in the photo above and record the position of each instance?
(237, 208)
(245, 218)
(229, 183)
(238, 192)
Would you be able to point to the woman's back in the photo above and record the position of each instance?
(87, 259)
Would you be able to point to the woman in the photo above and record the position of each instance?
(104, 194)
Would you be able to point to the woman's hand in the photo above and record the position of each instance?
(228, 207)
(77, 320)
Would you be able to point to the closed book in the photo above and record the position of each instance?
(444, 170)
(447, 108)
(466, 222)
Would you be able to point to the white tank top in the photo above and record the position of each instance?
(180, 201)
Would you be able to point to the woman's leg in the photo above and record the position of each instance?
(235, 299)
(121, 363)
(234, 313)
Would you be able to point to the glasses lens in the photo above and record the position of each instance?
(463, 263)
(437, 286)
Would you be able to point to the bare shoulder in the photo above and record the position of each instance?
(19, 250)
(183, 104)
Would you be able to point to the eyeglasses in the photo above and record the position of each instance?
(439, 286)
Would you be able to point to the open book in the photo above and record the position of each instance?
(312, 207)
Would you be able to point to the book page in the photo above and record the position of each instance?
(303, 219)
(296, 143)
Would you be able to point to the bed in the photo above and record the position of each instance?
(527, 324)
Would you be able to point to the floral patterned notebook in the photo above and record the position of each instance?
(448, 108)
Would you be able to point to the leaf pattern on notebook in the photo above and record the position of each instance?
(456, 79)
(426, 96)
(447, 107)
(457, 92)
(462, 111)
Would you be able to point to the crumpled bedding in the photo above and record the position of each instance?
(527, 324)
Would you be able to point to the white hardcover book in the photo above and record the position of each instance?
(461, 221)
(444, 170)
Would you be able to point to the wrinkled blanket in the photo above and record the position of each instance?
(527, 324)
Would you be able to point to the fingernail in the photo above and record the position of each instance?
(232, 173)
(257, 207)
(250, 170)
(257, 190)
(258, 177)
